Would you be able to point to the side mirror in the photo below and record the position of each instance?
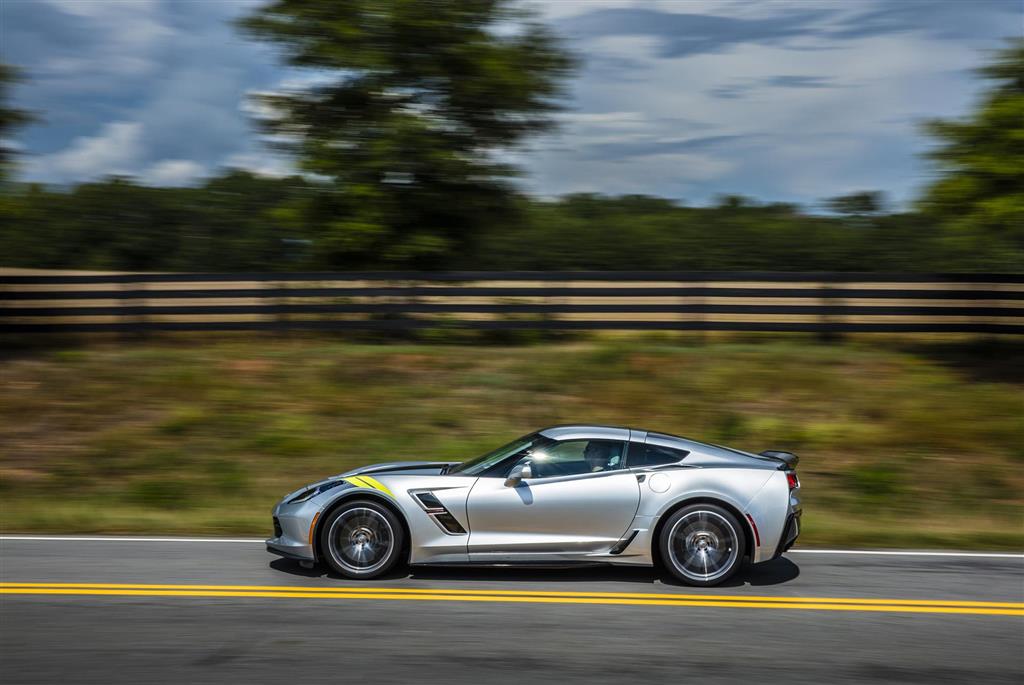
(517, 474)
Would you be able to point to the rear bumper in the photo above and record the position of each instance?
(790, 532)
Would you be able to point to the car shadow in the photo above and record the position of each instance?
(774, 572)
(293, 568)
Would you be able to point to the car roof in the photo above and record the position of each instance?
(578, 431)
(581, 431)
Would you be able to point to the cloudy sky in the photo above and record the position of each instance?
(787, 100)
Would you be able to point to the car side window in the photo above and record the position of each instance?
(573, 457)
(654, 455)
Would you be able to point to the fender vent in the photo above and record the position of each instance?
(440, 515)
(621, 545)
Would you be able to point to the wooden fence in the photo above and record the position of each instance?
(43, 302)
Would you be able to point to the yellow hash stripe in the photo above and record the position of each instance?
(376, 484)
(368, 482)
(546, 597)
(356, 481)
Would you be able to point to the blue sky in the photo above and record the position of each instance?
(780, 100)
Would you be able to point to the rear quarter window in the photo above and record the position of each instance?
(653, 455)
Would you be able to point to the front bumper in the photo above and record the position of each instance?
(286, 552)
(292, 526)
(289, 547)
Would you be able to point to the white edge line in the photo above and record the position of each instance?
(124, 538)
(901, 553)
(129, 538)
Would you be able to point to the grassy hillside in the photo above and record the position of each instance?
(915, 446)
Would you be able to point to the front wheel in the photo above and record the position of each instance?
(362, 539)
(702, 544)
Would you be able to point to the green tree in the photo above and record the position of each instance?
(864, 203)
(10, 119)
(414, 103)
(978, 199)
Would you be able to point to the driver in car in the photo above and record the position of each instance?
(601, 456)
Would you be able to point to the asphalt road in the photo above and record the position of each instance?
(919, 619)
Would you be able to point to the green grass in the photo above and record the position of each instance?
(900, 445)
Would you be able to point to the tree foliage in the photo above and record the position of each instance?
(10, 119)
(978, 200)
(864, 203)
(239, 221)
(235, 221)
(414, 102)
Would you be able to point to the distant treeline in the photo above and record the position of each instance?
(240, 221)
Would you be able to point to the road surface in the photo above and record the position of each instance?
(176, 610)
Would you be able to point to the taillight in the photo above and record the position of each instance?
(793, 481)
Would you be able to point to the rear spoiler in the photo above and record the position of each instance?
(787, 458)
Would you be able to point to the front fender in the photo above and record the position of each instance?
(348, 493)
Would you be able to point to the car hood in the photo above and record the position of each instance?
(406, 468)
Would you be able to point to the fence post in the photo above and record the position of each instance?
(830, 295)
(701, 315)
(132, 331)
(143, 303)
(277, 299)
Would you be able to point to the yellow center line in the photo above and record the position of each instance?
(519, 596)
(362, 589)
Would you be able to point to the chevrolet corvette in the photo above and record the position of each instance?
(560, 496)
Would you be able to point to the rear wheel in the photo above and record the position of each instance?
(702, 544)
(362, 539)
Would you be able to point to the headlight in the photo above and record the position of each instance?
(314, 491)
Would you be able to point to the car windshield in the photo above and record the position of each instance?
(475, 467)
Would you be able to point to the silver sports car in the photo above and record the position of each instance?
(562, 495)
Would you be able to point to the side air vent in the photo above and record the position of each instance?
(430, 503)
(621, 546)
(449, 523)
(440, 515)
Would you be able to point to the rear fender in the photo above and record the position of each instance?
(769, 509)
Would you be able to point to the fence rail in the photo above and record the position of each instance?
(582, 300)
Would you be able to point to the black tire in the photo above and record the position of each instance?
(362, 539)
(702, 544)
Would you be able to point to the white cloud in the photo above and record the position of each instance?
(261, 164)
(173, 172)
(670, 174)
(560, 9)
(855, 129)
(603, 118)
(87, 8)
(115, 150)
(126, 40)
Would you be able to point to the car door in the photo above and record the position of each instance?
(568, 510)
